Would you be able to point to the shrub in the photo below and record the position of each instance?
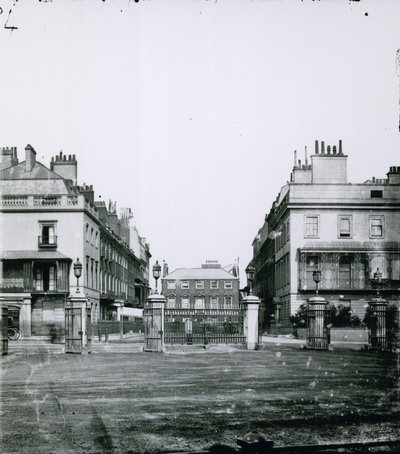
(340, 317)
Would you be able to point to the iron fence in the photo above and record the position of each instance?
(203, 326)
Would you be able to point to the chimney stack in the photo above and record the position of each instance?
(30, 158)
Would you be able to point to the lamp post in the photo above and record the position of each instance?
(251, 306)
(250, 271)
(77, 272)
(316, 275)
(156, 273)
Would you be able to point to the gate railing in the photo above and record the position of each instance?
(203, 326)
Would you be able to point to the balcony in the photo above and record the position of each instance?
(47, 242)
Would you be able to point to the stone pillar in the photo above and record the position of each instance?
(25, 318)
(250, 322)
(378, 329)
(78, 334)
(317, 337)
(120, 318)
(153, 316)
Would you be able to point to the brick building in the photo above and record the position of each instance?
(319, 220)
(208, 287)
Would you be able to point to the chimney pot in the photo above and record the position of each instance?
(316, 147)
(340, 146)
(328, 149)
(322, 147)
(334, 149)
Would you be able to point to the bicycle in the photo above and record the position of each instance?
(13, 334)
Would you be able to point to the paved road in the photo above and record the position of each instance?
(143, 402)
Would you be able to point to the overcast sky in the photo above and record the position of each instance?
(189, 111)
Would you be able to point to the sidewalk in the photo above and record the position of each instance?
(282, 339)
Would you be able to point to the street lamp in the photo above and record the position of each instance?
(156, 272)
(250, 271)
(77, 272)
(316, 275)
(377, 280)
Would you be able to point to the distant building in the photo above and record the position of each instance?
(319, 220)
(48, 221)
(208, 287)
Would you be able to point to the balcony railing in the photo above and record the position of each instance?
(47, 242)
(12, 283)
(43, 202)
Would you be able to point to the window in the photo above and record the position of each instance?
(199, 303)
(344, 272)
(92, 235)
(185, 285)
(185, 302)
(312, 226)
(228, 285)
(214, 284)
(312, 264)
(171, 285)
(228, 302)
(376, 194)
(214, 302)
(344, 226)
(199, 284)
(48, 234)
(171, 302)
(87, 232)
(96, 241)
(376, 226)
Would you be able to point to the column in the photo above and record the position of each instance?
(77, 325)
(153, 315)
(250, 323)
(25, 318)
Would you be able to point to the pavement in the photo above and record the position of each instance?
(187, 401)
(134, 343)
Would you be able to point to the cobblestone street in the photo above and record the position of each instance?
(142, 402)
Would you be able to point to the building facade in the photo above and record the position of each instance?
(320, 221)
(47, 222)
(208, 287)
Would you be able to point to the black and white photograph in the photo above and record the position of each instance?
(199, 226)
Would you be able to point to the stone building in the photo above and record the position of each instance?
(319, 220)
(208, 287)
(47, 222)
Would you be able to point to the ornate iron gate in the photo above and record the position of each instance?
(203, 326)
(317, 337)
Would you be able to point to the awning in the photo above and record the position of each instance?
(33, 255)
(351, 246)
